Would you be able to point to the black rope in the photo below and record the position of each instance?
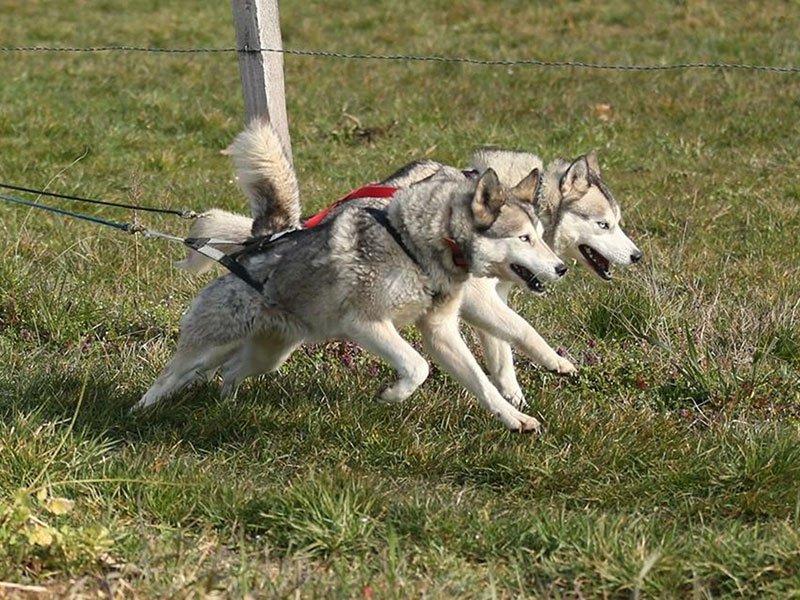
(496, 62)
(126, 227)
(186, 214)
(204, 246)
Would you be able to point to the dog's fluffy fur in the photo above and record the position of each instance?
(350, 278)
(218, 224)
(266, 177)
(571, 204)
(581, 221)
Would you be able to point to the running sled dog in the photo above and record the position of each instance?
(581, 221)
(361, 274)
(580, 217)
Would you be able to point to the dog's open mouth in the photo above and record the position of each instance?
(529, 278)
(599, 262)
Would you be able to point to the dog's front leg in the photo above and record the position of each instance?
(381, 338)
(499, 362)
(486, 310)
(497, 356)
(443, 340)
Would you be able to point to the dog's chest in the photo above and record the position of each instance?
(409, 312)
(406, 296)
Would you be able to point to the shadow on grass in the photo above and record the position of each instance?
(197, 415)
(326, 419)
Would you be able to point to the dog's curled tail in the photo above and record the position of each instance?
(217, 224)
(266, 177)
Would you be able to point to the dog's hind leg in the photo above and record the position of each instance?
(259, 354)
(381, 338)
(189, 365)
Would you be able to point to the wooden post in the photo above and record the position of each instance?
(258, 26)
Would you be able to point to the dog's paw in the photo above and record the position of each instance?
(144, 403)
(561, 366)
(394, 394)
(509, 389)
(519, 422)
(405, 386)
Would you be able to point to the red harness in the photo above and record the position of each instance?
(376, 190)
(371, 190)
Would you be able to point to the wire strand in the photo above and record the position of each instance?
(502, 62)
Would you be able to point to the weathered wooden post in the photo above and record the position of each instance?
(258, 26)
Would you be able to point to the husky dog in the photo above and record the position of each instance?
(360, 275)
(581, 220)
(579, 213)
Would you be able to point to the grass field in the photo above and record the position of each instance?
(670, 466)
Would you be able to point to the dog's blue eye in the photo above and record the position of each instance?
(602, 224)
(525, 238)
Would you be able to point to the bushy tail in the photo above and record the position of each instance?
(217, 224)
(511, 166)
(267, 178)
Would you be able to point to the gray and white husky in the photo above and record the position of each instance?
(581, 220)
(362, 274)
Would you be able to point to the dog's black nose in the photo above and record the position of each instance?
(636, 256)
(561, 270)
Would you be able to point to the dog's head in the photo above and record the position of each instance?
(585, 220)
(507, 241)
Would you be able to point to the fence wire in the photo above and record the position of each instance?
(502, 62)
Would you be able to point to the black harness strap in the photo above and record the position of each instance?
(204, 247)
(260, 243)
(383, 220)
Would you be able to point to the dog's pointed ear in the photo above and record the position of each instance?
(593, 163)
(488, 199)
(576, 179)
(527, 189)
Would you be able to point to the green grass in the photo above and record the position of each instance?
(670, 467)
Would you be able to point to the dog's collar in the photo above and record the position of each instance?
(457, 254)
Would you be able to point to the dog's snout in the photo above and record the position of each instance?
(637, 256)
(561, 270)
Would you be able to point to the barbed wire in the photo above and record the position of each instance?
(522, 62)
